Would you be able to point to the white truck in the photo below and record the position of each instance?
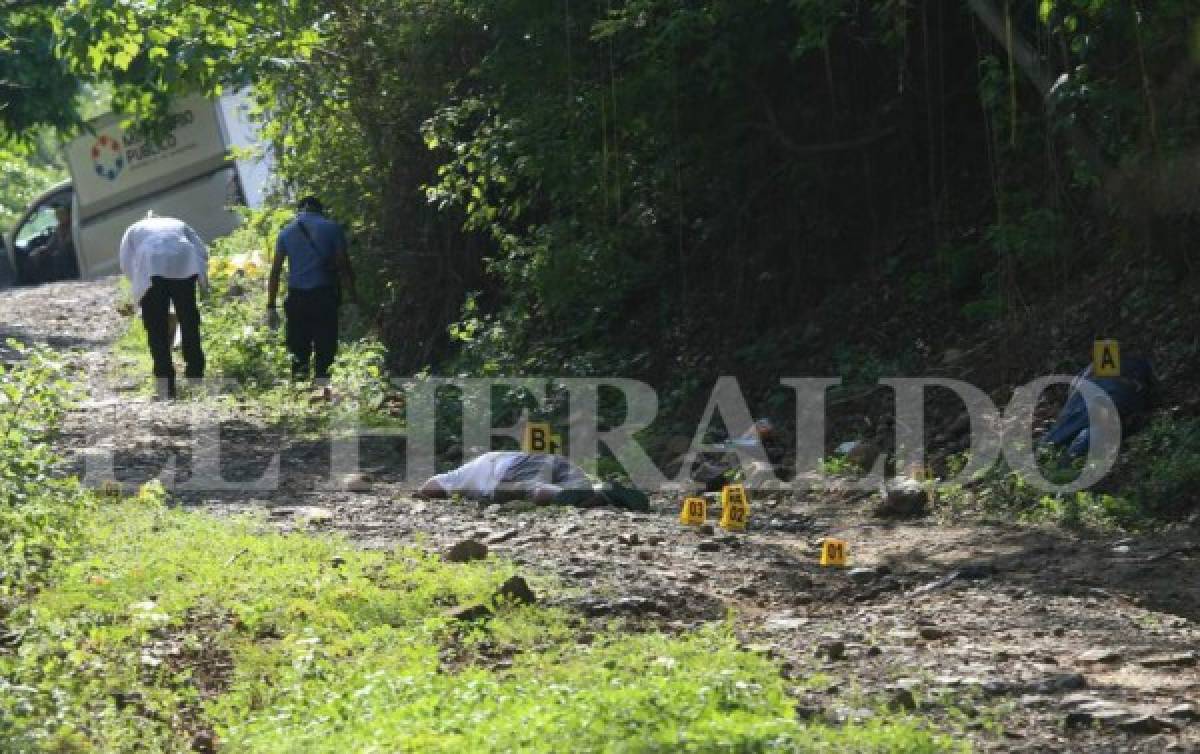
(118, 173)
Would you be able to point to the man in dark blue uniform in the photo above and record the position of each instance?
(315, 249)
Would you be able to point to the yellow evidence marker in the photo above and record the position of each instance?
(735, 508)
(1106, 358)
(694, 512)
(834, 552)
(537, 438)
(556, 446)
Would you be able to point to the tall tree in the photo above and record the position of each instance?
(37, 87)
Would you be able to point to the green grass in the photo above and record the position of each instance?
(839, 466)
(40, 514)
(171, 625)
(130, 626)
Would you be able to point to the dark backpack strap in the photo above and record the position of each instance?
(330, 263)
(308, 237)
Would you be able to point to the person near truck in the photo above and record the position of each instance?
(54, 259)
(315, 250)
(165, 260)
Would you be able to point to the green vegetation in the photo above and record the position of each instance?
(128, 626)
(149, 639)
(643, 188)
(240, 348)
(534, 187)
(840, 466)
(1154, 483)
(25, 172)
(37, 86)
(40, 516)
(1164, 466)
(534, 183)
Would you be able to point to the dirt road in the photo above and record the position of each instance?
(1023, 639)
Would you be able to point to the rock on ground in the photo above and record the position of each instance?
(982, 621)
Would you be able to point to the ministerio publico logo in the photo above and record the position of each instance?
(107, 157)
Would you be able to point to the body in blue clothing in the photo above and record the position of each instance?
(1132, 393)
(311, 256)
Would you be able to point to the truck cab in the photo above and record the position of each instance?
(120, 171)
(34, 230)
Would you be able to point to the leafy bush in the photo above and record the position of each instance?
(1165, 463)
(840, 466)
(39, 514)
(24, 173)
(1155, 483)
(240, 347)
(238, 344)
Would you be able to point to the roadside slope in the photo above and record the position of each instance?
(1041, 635)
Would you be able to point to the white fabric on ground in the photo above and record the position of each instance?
(479, 476)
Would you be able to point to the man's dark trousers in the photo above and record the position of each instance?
(312, 330)
(156, 305)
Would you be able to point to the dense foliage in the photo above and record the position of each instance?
(37, 87)
(536, 174)
(40, 515)
(24, 173)
(667, 189)
(536, 187)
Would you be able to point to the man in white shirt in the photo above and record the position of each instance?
(504, 475)
(164, 260)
